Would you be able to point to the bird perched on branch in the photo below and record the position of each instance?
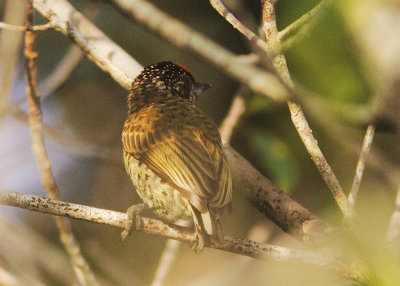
(173, 152)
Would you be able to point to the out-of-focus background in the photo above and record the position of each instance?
(342, 57)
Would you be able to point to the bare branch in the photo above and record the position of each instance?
(318, 158)
(235, 112)
(230, 18)
(17, 28)
(297, 114)
(301, 22)
(105, 53)
(82, 269)
(369, 136)
(35, 114)
(273, 202)
(155, 227)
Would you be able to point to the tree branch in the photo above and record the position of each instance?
(235, 112)
(155, 227)
(299, 23)
(298, 118)
(230, 18)
(97, 46)
(17, 28)
(273, 202)
(369, 136)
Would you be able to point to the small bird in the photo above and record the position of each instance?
(173, 151)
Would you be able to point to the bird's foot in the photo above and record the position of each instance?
(217, 235)
(133, 221)
(202, 239)
(198, 245)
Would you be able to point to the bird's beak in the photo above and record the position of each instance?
(200, 87)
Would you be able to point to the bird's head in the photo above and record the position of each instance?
(164, 80)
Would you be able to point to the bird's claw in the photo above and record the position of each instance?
(198, 245)
(133, 217)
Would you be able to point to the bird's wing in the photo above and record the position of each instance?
(184, 157)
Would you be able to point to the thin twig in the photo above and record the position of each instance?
(297, 114)
(149, 16)
(235, 112)
(35, 114)
(369, 136)
(318, 158)
(17, 28)
(230, 18)
(155, 227)
(82, 269)
(301, 22)
(274, 46)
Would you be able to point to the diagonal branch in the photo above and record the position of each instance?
(290, 216)
(369, 136)
(299, 23)
(297, 114)
(230, 18)
(100, 49)
(235, 112)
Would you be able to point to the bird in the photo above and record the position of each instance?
(173, 152)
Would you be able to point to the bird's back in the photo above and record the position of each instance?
(182, 146)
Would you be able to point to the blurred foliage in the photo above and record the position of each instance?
(274, 158)
(337, 77)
